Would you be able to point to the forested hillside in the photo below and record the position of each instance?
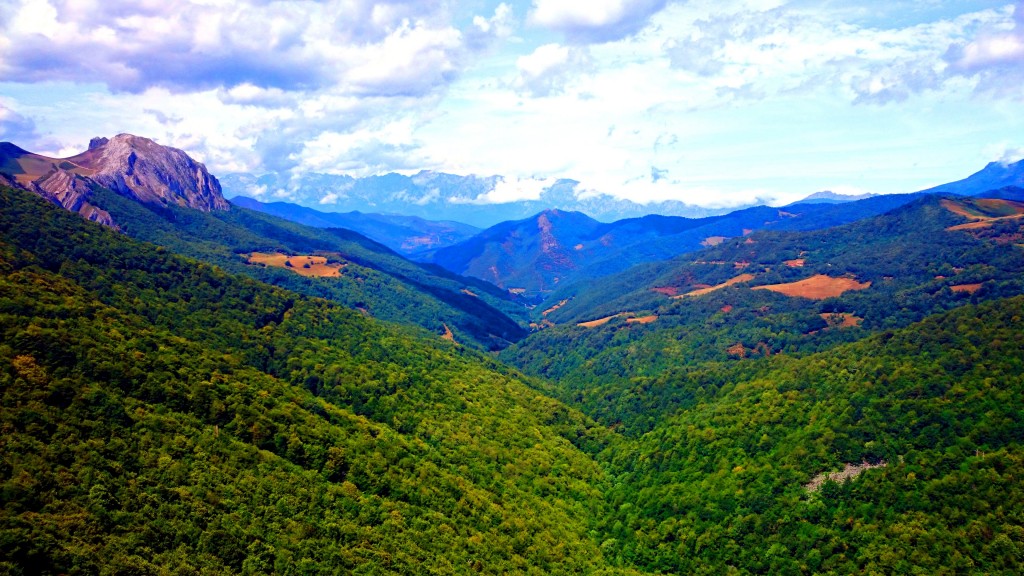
(162, 416)
(370, 276)
(935, 408)
(713, 308)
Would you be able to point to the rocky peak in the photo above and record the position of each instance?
(142, 169)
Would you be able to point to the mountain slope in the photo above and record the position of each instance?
(406, 235)
(532, 254)
(770, 293)
(368, 276)
(160, 415)
(159, 194)
(540, 254)
(135, 167)
(994, 175)
(923, 421)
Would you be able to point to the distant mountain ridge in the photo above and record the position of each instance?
(440, 196)
(829, 197)
(993, 176)
(537, 255)
(132, 166)
(408, 235)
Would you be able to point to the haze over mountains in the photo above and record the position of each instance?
(476, 200)
(487, 201)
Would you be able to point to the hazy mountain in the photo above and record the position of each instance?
(440, 196)
(829, 197)
(407, 235)
(554, 248)
(529, 255)
(993, 176)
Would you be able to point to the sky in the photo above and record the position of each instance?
(711, 102)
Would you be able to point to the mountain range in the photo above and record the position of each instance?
(209, 389)
(537, 255)
(479, 200)
(440, 196)
(408, 235)
(993, 176)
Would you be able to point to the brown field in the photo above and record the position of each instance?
(642, 319)
(631, 318)
(599, 321)
(841, 319)
(995, 210)
(729, 282)
(31, 167)
(816, 287)
(969, 288)
(666, 290)
(795, 263)
(713, 240)
(555, 307)
(303, 265)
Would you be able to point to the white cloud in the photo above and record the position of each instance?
(594, 20)
(15, 127)
(709, 101)
(396, 47)
(757, 53)
(995, 57)
(548, 69)
(512, 189)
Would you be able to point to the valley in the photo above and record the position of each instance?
(191, 385)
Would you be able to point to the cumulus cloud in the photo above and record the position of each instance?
(756, 53)
(16, 128)
(382, 47)
(995, 57)
(895, 82)
(511, 189)
(1011, 155)
(548, 69)
(584, 21)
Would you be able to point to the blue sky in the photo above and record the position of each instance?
(715, 103)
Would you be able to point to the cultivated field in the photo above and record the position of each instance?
(304, 265)
(817, 287)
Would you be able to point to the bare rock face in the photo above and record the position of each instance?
(139, 168)
(72, 192)
(132, 166)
